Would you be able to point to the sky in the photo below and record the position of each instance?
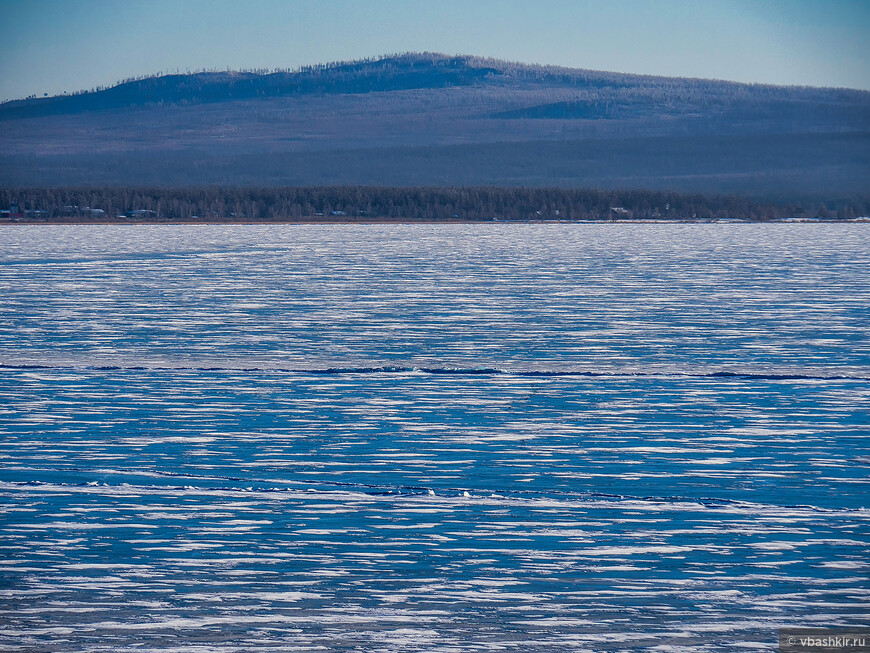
(52, 46)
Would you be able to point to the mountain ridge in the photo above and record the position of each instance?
(406, 71)
(433, 119)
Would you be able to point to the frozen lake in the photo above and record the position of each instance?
(432, 437)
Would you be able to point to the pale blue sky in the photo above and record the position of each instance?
(51, 46)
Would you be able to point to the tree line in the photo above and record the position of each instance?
(224, 203)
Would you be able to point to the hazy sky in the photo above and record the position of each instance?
(50, 46)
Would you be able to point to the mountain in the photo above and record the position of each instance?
(433, 119)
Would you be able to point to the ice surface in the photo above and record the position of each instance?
(432, 437)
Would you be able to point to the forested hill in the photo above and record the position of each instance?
(607, 95)
(437, 120)
(388, 74)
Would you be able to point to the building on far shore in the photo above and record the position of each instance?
(142, 214)
(12, 213)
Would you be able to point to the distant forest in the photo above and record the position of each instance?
(361, 203)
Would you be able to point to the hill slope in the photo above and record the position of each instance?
(440, 120)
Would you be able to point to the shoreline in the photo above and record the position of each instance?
(333, 221)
